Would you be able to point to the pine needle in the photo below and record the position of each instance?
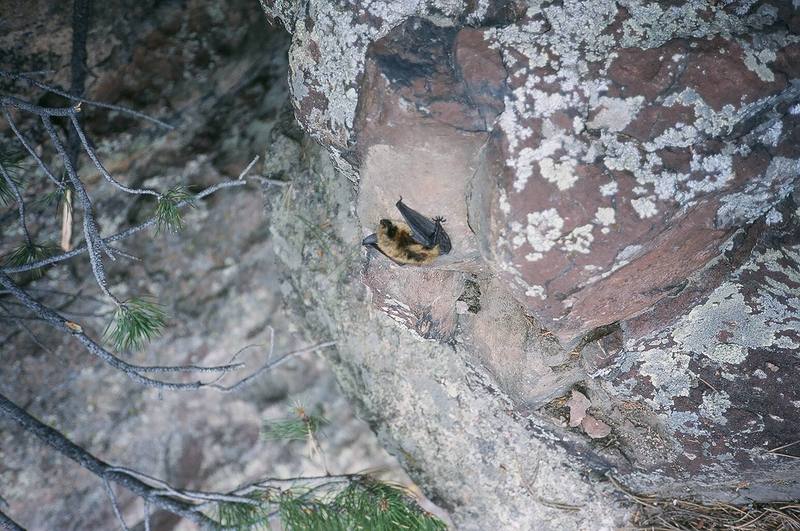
(11, 161)
(243, 515)
(168, 215)
(136, 322)
(299, 427)
(26, 254)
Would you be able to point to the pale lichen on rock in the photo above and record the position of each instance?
(618, 178)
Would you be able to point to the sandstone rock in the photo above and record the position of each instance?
(619, 184)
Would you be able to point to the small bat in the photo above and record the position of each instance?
(419, 240)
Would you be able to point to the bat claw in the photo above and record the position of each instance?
(439, 219)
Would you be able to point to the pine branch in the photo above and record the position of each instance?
(122, 234)
(134, 372)
(102, 105)
(27, 253)
(29, 149)
(12, 186)
(136, 321)
(168, 214)
(7, 524)
(299, 427)
(69, 327)
(94, 243)
(87, 147)
(101, 469)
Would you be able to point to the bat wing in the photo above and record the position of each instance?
(424, 230)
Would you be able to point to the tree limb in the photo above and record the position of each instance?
(122, 234)
(101, 469)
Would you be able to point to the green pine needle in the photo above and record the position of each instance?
(359, 504)
(310, 515)
(26, 254)
(11, 161)
(168, 216)
(136, 322)
(297, 428)
(53, 197)
(231, 515)
(374, 505)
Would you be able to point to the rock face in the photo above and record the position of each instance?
(203, 69)
(618, 180)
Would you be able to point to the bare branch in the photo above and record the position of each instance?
(269, 365)
(147, 515)
(247, 169)
(68, 327)
(265, 180)
(29, 149)
(103, 470)
(12, 101)
(99, 165)
(94, 243)
(190, 495)
(120, 235)
(93, 103)
(8, 524)
(114, 504)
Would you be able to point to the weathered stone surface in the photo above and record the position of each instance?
(617, 179)
(203, 67)
(450, 424)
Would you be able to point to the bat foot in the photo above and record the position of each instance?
(439, 219)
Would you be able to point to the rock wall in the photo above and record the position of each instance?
(219, 76)
(618, 180)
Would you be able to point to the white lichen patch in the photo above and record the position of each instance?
(536, 292)
(772, 135)
(562, 174)
(757, 62)
(505, 206)
(760, 195)
(541, 233)
(579, 240)
(714, 407)
(605, 216)
(616, 113)
(669, 375)
(644, 207)
(609, 189)
(728, 353)
(770, 318)
(773, 217)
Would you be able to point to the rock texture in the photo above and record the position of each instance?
(619, 183)
(205, 70)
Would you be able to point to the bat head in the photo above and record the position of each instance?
(385, 229)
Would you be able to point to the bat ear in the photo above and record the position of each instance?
(371, 240)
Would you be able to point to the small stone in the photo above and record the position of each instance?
(578, 405)
(594, 428)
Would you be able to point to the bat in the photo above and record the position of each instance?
(419, 240)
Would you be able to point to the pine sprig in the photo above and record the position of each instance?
(136, 321)
(299, 427)
(360, 503)
(11, 161)
(53, 197)
(168, 215)
(374, 505)
(26, 254)
(244, 516)
(313, 515)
